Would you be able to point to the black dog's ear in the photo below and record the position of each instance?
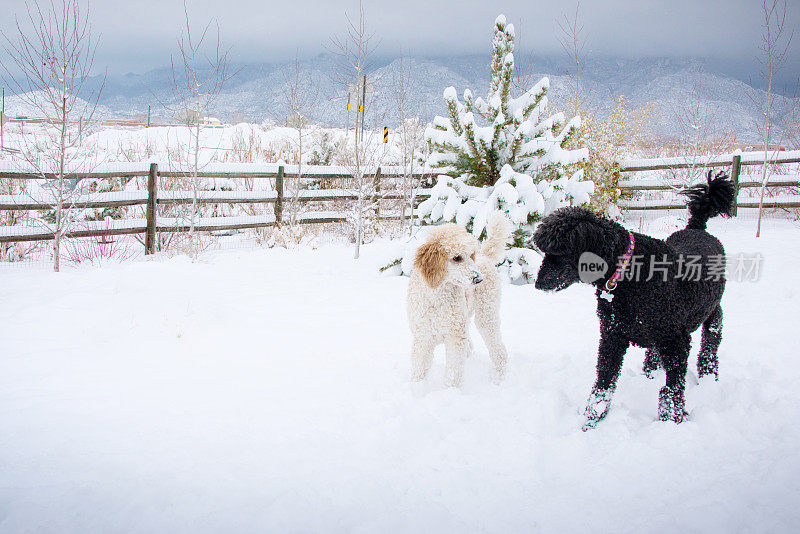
(566, 231)
(580, 237)
(572, 231)
(552, 233)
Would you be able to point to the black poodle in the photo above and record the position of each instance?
(659, 293)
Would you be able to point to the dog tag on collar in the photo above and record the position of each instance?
(606, 295)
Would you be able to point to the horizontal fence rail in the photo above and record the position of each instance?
(140, 198)
(277, 196)
(734, 161)
(152, 197)
(723, 160)
(789, 201)
(167, 170)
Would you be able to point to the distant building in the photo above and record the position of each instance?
(191, 116)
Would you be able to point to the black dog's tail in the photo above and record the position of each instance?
(709, 200)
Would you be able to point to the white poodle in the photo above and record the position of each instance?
(455, 277)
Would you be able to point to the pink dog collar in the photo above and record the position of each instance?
(611, 284)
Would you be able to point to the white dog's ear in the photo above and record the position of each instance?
(431, 260)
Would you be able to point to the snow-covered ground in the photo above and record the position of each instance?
(267, 390)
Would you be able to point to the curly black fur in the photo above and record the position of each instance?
(709, 200)
(659, 314)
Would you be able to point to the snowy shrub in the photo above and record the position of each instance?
(503, 153)
(609, 140)
(246, 145)
(323, 148)
(99, 250)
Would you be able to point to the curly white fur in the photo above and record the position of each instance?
(455, 278)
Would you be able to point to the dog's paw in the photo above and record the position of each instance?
(418, 374)
(708, 367)
(712, 375)
(651, 363)
(676, 417)
(671, 406)
(596, 407)
(589, 424)
(498, 375)
(453, 378)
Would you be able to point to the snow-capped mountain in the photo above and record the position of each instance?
(31, 105)
(258, 91)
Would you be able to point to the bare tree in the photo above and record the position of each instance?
(572, 41)
(524, 64)
(196, 83)
(697, 138)
(353, 51)
(52, 55)
(411, 137)
(301, 90)
(775, 41)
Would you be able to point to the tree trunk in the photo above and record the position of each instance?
(411, 191)
(62, 146)
(360, 184)
(764, 175)
(195, 165)
(766, 138)
(359, 222)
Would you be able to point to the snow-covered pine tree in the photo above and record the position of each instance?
(503, 153)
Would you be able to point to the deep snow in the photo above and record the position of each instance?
(267, 390)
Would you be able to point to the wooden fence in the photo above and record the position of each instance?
(152, 198)
(734, 162)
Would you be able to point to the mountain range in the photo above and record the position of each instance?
(688, 97)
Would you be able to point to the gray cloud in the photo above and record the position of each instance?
(136, 36)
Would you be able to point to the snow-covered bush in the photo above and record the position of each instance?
(503, 153)
(609, 140)
(324, 146)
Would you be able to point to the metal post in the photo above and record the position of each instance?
(376, 184)
(148, 116)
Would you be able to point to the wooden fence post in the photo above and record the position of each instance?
(376, 182)
(279, 199)
(735, 168)
(152, 194)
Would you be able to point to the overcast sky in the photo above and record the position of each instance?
(139, 35)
